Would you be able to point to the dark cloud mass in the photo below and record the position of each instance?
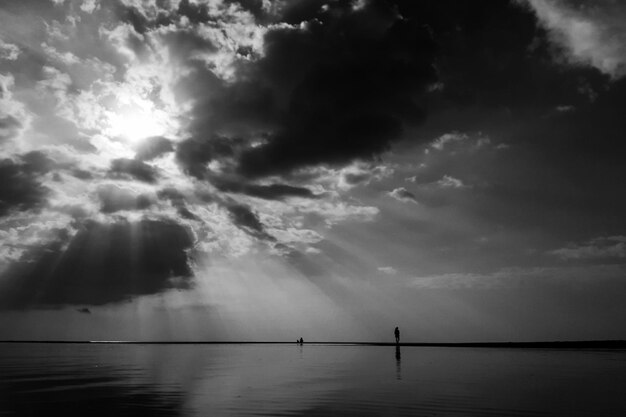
(356, 87)
(341, 87)
(268, 192)
(102, 263)
(21, 187)
(194, 154)
(152, 148)
(125, 168)
(9, 127)
(177, 200)
(346, 83)
(244, 218)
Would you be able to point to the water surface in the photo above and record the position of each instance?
(311, 380)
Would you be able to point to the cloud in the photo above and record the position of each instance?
(82, 174)
(88, 6)
(404, 195)
(178, 200)
(244, 218)
(565, 108)
(114, 198)
(344, 105)
(286, 111)
(9, 51)
(353, 81)
(593, 34)
(331, 212)
(448, 138)
(125, 168)
(458, 142)
(268, 192)
(519, 277)
(450, 182)
(363, 174)
(389, 270)
(292, 236)
(21, 181)
(9, 128)
(102, 263)
(194, 155)
(152, 148)
(609, 247)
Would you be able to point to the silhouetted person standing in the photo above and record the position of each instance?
(397, 334)
(301, 341)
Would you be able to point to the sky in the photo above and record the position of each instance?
(264, 170)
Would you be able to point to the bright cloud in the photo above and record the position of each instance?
(402, 194)
(592, 34)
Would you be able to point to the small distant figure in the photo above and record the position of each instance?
(301, 341)
(396, 332)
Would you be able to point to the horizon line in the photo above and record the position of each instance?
(606, 344)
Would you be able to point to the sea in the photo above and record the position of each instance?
(116, 379)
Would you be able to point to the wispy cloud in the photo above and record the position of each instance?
(448, 181)
(609, 247)
(520, 277)
(389, 270)
(404, 195)
(448, 138)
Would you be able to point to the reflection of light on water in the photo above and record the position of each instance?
(278, 379)
(398, 363)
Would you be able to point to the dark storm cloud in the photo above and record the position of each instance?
(244, 218)
(194, 154)
(341, 88)
(132, 169)
(346, 83)
(495, 34)
(496, 66)
(102, 263)
(500, 77)
(267, 192)
(152, 148)
(21, 182)
(353, 81)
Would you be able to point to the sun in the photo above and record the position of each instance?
(135, 118)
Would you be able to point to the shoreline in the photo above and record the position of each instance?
(580, 344)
